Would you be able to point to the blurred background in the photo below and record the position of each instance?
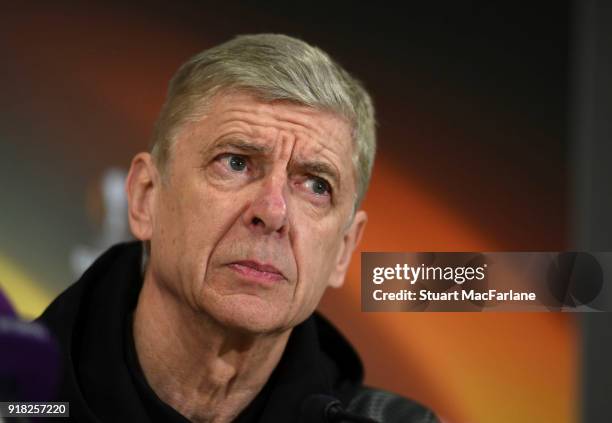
(484, 114)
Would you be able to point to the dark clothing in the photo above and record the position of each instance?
(103, 381)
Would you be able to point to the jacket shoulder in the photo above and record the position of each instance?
(387, 407)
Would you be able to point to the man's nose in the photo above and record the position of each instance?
(268, 211)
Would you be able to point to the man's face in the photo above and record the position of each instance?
(253, 220)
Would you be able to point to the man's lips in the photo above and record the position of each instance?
(259, 272)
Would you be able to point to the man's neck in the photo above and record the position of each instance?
(206, 372)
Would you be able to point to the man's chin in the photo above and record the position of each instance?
(250, 315)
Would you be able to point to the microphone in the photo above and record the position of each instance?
(320, 408)
(29, 358)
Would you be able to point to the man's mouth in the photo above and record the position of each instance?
(257, 272)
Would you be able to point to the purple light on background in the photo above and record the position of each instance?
(29, 358)
(5, 306)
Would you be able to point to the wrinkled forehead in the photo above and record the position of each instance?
(279, 115)
(240, 114)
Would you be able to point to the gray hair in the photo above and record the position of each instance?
(273, 67)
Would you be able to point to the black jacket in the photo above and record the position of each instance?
(103, 381)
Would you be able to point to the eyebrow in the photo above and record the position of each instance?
(314, 167)
(243, 146)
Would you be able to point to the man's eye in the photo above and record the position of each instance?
(319, 186)
(236, 163)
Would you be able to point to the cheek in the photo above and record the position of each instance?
(190, 223)
(317, 254)
(206, 219)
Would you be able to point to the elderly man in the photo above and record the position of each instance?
(247, 209)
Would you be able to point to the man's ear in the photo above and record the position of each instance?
(140, 186)
(352, 236)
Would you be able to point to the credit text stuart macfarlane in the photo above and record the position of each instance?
(463, 295)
